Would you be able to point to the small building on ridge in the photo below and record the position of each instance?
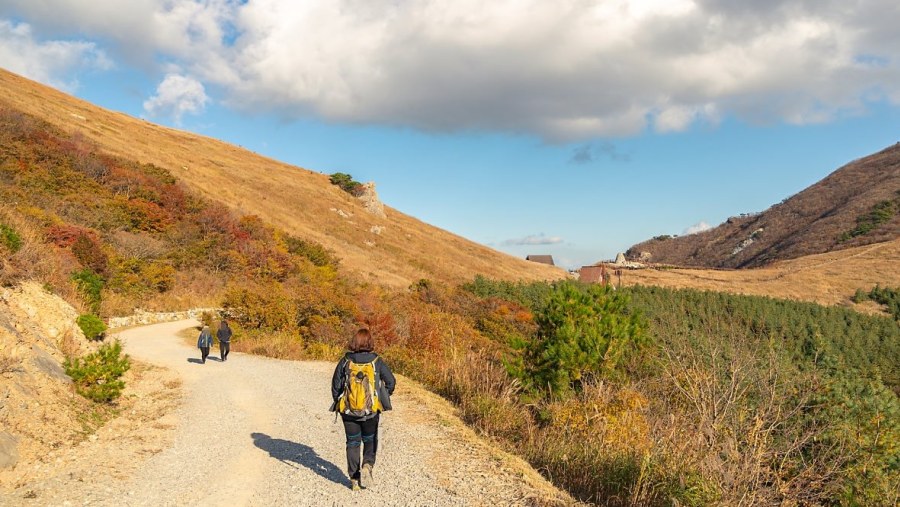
(543, 259)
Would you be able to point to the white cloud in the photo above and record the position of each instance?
(534, 239)
(54, 62)
(563, 70)
(698, 227)
(176, 96)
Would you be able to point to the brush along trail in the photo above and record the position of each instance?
(257, 431)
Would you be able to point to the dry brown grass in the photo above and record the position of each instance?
(300, 201)
(828, 279)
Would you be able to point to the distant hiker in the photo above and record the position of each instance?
(224, 336)
(361, 387)
(204, 342)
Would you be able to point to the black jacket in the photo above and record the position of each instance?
(381, 368)
(224, 334)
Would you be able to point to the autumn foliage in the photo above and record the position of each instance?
(641, 396)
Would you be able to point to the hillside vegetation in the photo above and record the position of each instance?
(856, 205)
(300, 202)
(715, 398)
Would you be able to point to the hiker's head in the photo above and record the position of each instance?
(224, 323)
(362, 341)
(206, 328)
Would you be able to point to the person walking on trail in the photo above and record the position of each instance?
(204, 342)
(224, 336)
(361, 389)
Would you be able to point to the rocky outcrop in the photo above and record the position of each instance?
(36, 397)
(370, 200)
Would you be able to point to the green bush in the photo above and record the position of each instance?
(583, 331)
(10, 238)
(865, 420)
(888, 297)
(91, 325)
(347, 183)
(89, 285)
(97, 375)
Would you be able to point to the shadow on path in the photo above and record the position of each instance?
(197, 360)
(292, 452)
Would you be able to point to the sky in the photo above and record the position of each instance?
(575, 128)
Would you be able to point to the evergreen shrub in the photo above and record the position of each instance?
(347, 183)
(582, 331)
(91, 325)
(97, 376)
(90, 285)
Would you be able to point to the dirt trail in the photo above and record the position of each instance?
(256, 431)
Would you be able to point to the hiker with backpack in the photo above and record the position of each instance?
(224, 336)
(361, 388)
(204, 342)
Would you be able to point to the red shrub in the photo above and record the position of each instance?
(216, 218)
(87, 250)
(65, 235)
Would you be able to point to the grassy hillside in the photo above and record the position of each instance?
(856, 205)
(828, 279)
(299, 201)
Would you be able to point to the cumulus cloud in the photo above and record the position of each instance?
(698, 227)
(53, 62)
(176, 96)
(534, 239)
(564, 70)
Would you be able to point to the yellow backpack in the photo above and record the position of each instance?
(360, 396)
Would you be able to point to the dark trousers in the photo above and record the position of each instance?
(224, 349)
(204, 351)
(366, 434)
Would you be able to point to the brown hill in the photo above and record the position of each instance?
(395, 250)
(856, 205)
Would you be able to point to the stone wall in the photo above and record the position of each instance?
(141, 317)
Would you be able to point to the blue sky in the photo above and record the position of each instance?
(575, 128)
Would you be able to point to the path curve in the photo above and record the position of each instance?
(256, 431)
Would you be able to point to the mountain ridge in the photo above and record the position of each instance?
(827, 216)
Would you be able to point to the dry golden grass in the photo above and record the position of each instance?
(828, 279)
(300, 201)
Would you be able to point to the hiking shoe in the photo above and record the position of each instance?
(365, 476)
(354, 485)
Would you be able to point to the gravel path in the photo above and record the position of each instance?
(256, 431)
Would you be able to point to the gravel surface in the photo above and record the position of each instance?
(257, 431)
